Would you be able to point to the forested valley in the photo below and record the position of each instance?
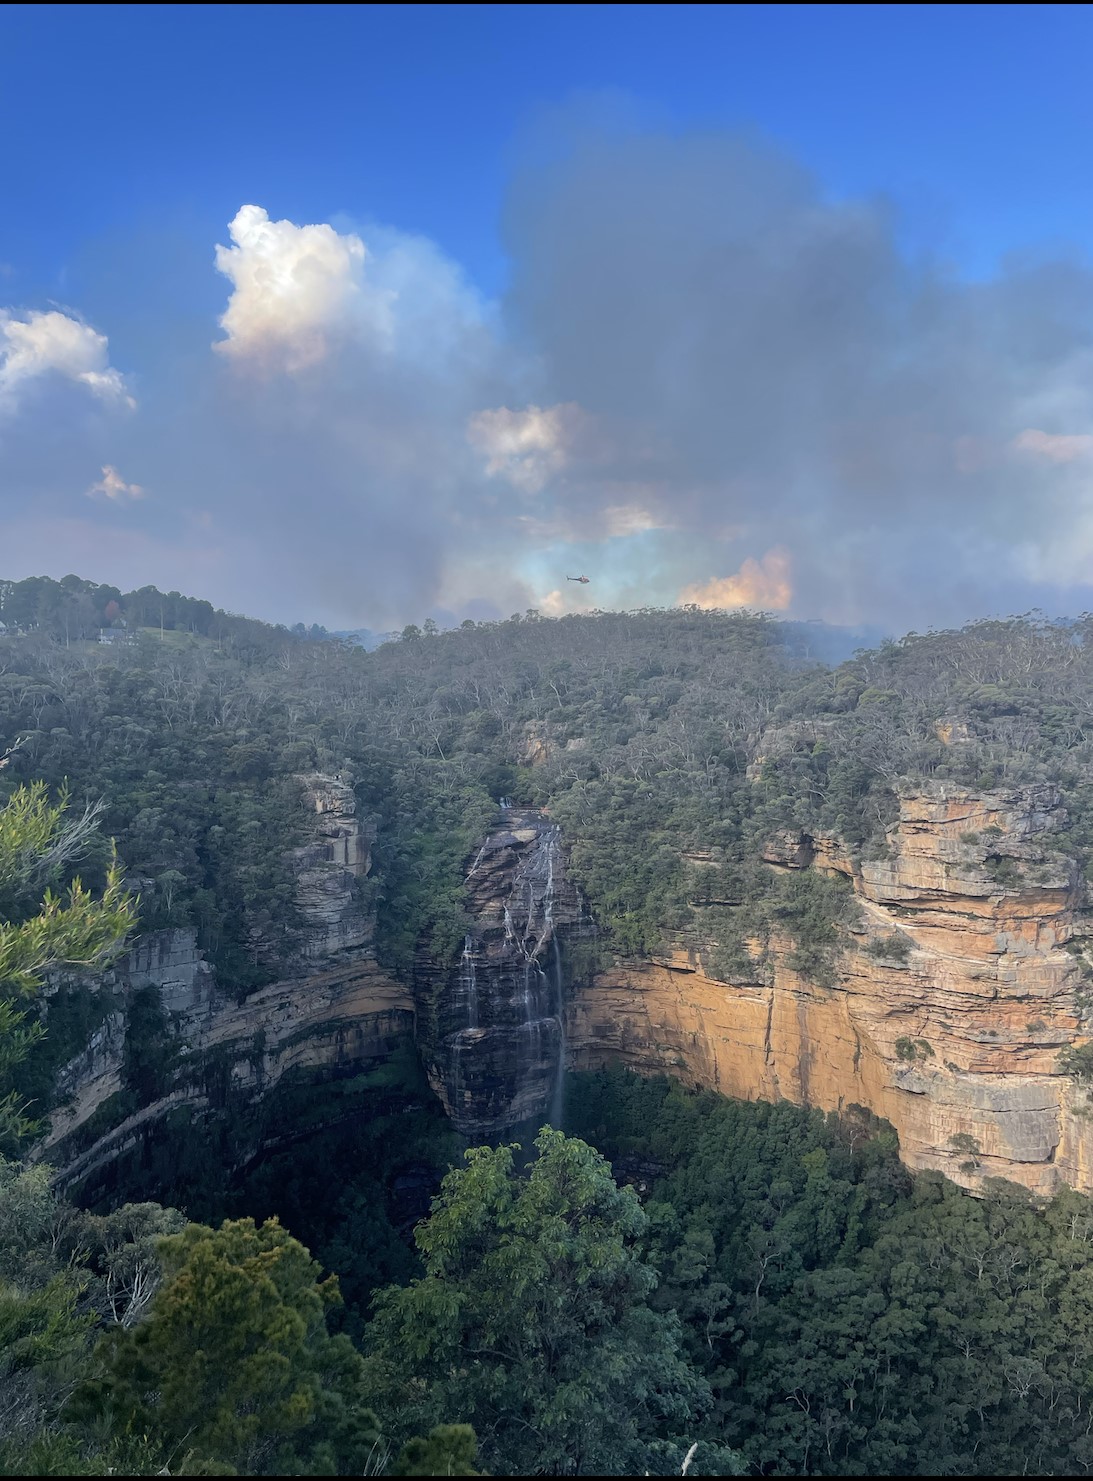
(669, 1279)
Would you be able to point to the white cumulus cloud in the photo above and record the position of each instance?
(112, 486)
(295, 289)
(49, 342)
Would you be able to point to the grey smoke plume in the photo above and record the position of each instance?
(707, 381)
(916, 448)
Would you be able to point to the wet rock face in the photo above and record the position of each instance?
(498, 1051)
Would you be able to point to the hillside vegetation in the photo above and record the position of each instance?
(650, 736)
(766, 1283)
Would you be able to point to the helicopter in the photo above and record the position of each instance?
(582, 579)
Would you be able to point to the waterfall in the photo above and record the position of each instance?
(468, 982)
(531, 1007)
(537, 877)
(536, 1000)
(459, 1081)
(503, 1033)
(557, 1098)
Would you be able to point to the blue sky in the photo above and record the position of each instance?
(975, 119)
(133, 135)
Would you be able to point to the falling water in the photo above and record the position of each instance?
(506, 1046)
(459, 1083)
(468, 982)
(530, 1004)
(557, 1099)
(542, 996)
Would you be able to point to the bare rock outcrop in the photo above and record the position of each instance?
(328, 867)
(955, 995)
(334, 1010)
(958, 983)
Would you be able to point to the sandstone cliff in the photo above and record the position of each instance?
(334, 1009)
(955, 995)
(327, 868)
(957, 985)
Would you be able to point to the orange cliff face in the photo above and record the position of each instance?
(955, 995)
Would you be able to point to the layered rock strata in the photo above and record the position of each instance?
(960, 979)
(956, 993)
(335, 1010)
(495, 1053)
(327, 869)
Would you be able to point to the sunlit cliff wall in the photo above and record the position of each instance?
(955, 994)
(958, 982)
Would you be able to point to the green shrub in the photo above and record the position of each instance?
(1077, 1062)
(911, 1050)
(892, 948)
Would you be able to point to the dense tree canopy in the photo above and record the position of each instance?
(764, 1282)
(532, 1322)
(235, 1365)
(781, 1291)
(65, 1275)
(656, 738)
(853, 1319)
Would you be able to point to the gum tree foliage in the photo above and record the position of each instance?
(58, 1274)
(668, 744)
(234, 1364)
(851, 1318)
(844, 1318)
(532, 1322)
(40, 928)
(65, 1275)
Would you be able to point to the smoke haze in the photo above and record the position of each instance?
(708, 382)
